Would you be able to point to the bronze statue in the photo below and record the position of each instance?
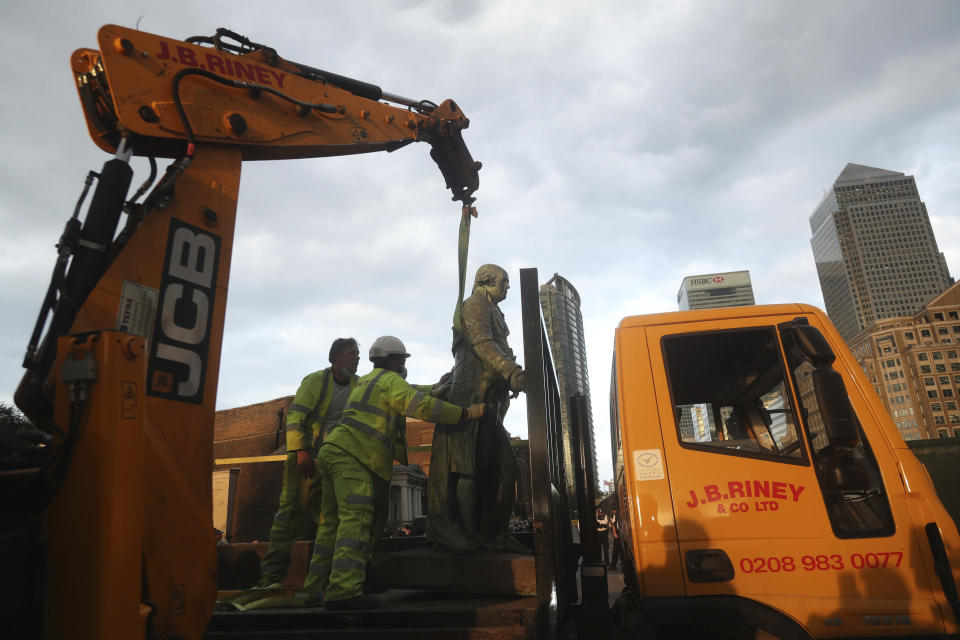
(473, 469)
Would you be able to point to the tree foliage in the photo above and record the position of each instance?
(10, 415)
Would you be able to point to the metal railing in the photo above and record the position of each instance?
(556, 561)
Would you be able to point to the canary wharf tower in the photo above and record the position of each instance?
(874, 248)
(560, 303)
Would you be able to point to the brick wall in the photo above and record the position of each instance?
(246, 432)
(419, 439)
(251, 430)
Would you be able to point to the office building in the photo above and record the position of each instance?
(874, 249)
(560, 303)
(712, 290)
(914, 366)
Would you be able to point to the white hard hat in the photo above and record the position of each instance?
(387, 346)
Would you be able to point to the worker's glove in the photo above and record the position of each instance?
(474, 411)
(518, 381)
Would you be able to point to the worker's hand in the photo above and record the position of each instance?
(305, 463)
(518, 380)
(474, 411)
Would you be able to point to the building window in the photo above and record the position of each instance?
(954, 419)
(938, 355)
(925, 333)
(935, 406)
(928, 382)
(925, 368)
(922, 356)
(956, 328)
(951, 406)
(948, 393)
(952, 353)
(943, 331)
(932, 393)
(940, 368)
(908, 335)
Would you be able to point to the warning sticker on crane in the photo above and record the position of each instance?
(138, 306)
(648, 464)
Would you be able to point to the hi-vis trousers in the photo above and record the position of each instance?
(353, 512)
(299, 506)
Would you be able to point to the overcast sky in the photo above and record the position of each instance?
(625, 145)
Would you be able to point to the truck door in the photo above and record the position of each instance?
(768, 509)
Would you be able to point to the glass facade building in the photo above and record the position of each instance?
(560, 303)
(874, 248)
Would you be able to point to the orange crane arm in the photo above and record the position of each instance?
(168, 93)
(126, 376)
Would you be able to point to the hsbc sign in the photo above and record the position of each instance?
(697, 282)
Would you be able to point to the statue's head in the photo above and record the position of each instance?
(494, 280)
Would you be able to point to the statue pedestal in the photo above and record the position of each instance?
(484, 572)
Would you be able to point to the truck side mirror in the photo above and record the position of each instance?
(839, 422)
(838, 419)
(813, 345)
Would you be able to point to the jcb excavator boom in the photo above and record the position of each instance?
(126, 375)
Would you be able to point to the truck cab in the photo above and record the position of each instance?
(763, 485)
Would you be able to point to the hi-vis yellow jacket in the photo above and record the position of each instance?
(310, 405)
(373, 428)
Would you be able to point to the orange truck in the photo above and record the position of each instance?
(763, 488)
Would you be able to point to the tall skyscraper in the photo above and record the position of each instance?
(874, 248)
(564, 323)
(712, 290)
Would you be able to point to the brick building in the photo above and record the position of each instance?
(914, 365)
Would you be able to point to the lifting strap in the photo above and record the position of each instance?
(462, 246)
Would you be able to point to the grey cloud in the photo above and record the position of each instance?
(625, 145)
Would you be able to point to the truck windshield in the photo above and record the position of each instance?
(729, 394)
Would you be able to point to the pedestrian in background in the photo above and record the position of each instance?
(614, 530)
(603, 528)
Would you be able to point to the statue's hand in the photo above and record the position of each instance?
(518, 380)
(442, 388)
(474, 411)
